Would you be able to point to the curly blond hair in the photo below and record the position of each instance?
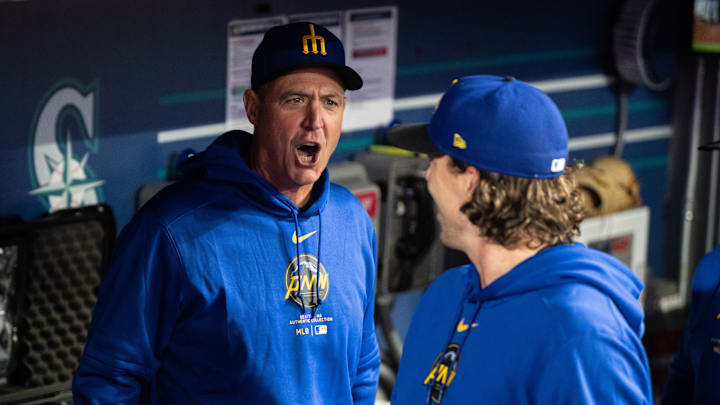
(515, 210)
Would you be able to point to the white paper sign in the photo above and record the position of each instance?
(332, 20)
(243, 37)
(370, 48)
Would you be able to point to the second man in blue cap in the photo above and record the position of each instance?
(534, 318)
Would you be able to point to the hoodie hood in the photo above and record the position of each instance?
(570, 264)
(224, 161)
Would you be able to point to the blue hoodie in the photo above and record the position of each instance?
(562, 327)
(203, 303)
(695, 371)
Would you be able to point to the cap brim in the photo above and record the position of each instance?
(350, 77)
(412, 137)
(710, 146)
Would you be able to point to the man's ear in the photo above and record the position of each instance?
(252, 105)
(470, 177)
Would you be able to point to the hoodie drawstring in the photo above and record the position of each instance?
(316, 286)
(297, 260)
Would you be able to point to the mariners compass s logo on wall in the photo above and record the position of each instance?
(61, 176)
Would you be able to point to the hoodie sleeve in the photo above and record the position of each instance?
(684, 377)
(575, 376)
(679, 386)
(365, 385)
(138, 304)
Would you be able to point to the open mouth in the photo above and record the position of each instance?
(308, 152)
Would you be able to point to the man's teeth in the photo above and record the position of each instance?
(307, 152)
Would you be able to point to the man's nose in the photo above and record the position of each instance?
(426, 173)
(313, 115)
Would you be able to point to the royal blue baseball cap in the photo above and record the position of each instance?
(288, 47)
(497, 124)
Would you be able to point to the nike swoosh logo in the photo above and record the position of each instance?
(302, 238)
(462, 326)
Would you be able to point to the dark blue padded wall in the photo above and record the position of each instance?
(141, 69)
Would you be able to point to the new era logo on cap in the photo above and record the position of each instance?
(459, 142)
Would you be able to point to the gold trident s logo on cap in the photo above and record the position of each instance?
(314, 40)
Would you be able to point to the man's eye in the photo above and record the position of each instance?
(295, 100)
(331, 102)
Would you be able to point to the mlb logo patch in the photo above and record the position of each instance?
(321, 329)
(557, 165)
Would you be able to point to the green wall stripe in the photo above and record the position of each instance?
(650, 162)
(192, 97)
(609, 109)
(497, 60)
(356, 143)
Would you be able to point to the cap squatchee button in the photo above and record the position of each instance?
(508, 78)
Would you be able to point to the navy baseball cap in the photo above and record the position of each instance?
(285, 48)
(494, 123)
